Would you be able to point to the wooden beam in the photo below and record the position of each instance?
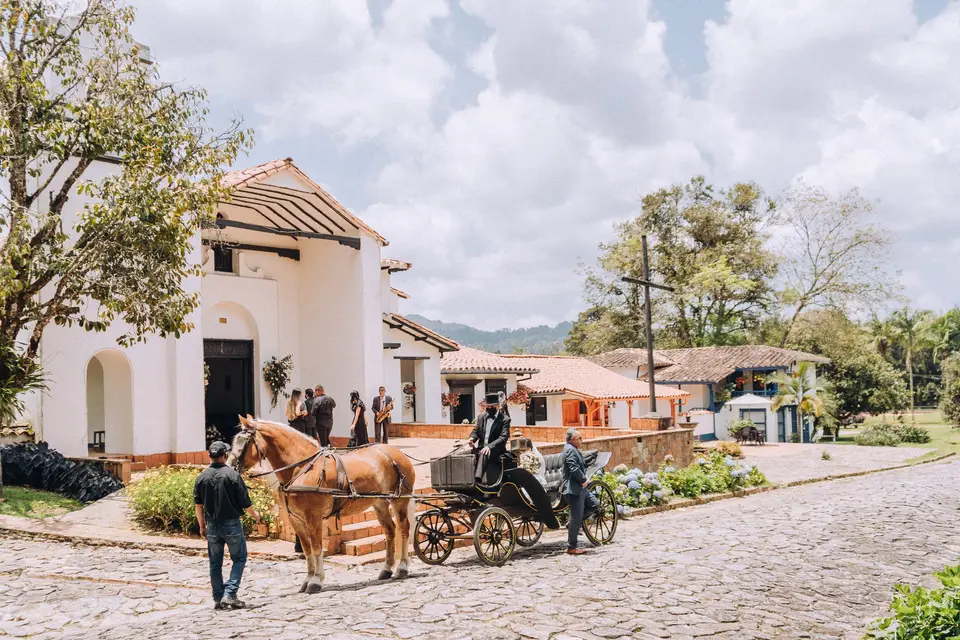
(391, 345)
(293, 254)
(411, 357)
(646, 283)
(291, 233)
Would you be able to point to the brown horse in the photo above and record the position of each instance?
(376, 469)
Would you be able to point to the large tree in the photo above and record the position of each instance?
(82, 247)
(861, 379)
(707, 244)
(833, 255)
(912, 333)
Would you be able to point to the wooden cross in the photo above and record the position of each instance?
(646, 284)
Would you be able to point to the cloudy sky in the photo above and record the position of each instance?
(496, 143)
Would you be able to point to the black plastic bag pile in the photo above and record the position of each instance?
(40, 467)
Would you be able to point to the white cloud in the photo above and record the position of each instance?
(575, 112)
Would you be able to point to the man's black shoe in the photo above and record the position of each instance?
(231, 602)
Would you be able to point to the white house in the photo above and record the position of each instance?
(286, 270)
(563, 390)
(725, 384)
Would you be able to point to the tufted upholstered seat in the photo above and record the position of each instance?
(553, 463)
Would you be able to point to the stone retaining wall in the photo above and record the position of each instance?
(645, 450)
(462, 432)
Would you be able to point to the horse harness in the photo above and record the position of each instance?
(344, 490)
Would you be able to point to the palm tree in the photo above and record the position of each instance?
(912, 331)
(799, 389)
(884, 335)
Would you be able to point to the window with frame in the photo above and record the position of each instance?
(496, 386)
(539, 407)
(222, 259)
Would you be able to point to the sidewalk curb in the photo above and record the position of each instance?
(186, 550)
(692, 502)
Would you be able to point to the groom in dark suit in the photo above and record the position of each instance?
(489, 438)
(574, 489)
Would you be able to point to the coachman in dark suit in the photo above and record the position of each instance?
(489, 438)
(582, 502)
(323, 406)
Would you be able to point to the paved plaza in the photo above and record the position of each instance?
(812, 561)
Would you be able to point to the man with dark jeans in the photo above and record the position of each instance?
(575, 481)
(221, 497)
(323, 406)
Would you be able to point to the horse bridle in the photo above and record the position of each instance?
(249, 435)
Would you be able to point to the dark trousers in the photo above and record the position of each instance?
(226, 534)
(585, 504)
(323, 434)
(297, 548)
(381, 429)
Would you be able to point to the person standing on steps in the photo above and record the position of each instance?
(358, 428)
(310, 420)
(220, 498)
(382, 403)
(323, 406)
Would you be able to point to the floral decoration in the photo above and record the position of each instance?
(520, 396)
(276, 373)
(206, 375)
(451, 399)
(410, 389)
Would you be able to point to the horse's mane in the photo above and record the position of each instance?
(287, 429)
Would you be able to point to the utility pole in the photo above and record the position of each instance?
(647, 284)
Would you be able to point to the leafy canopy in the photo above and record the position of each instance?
(84, 242)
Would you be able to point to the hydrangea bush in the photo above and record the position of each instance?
(710, 473)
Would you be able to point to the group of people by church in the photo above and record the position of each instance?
(311, 412)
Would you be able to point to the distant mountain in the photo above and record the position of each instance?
(540, 340)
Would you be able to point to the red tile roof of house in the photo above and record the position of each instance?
(628, 357)
(250, 176)
(469, 360)
(579, 376)
(713, 364)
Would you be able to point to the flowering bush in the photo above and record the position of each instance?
(881, 435)
(731, 449)
(451, 399)
(276, 373)
(520, 396)
(163, 500)
(712, 473)
(212, 434)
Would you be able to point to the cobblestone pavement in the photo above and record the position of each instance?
(792, 462)
(814, 561)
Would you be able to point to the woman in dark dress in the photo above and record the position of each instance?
(358, 430)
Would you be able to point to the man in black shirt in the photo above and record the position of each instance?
(221, 498)
(323, 406)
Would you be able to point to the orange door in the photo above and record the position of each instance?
(571, 413)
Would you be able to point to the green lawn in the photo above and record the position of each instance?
(30, 503)
(943, 438)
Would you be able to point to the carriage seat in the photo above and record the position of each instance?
(553, 464)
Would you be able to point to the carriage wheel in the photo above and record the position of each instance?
(600, 528)
(494, 537)
(432, 537)
(528, 531)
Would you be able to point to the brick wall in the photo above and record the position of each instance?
(645, 450)
(462, 432)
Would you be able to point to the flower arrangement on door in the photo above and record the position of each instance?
(520, 396)
(449, 401)
(276, 373)
(409, 392)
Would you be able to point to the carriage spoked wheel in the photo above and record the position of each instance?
(528, 531)
(494, 537)
(433, 537)
(600, 528)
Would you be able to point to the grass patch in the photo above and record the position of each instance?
(943, 438)
(31, 503)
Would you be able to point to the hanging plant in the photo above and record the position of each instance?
(276, 373)
(451, 399)
(520, 396)
(410, 389)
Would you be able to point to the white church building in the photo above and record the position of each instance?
(287, 270)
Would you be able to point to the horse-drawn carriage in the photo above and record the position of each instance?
(513, 510)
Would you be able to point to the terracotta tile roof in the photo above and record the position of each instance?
(243, 178)
(579, 376)
(627, 357)
(469, 360)
(408, 326)
(400, 294)
(713, 364)
(392, 265)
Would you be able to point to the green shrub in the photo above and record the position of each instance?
(731, 449)
(163, 501)
(881, 435)
(923, 614)
(825, 455)
(912, 433)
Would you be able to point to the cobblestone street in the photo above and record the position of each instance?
(813, 561)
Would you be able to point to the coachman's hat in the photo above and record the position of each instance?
(492, 398)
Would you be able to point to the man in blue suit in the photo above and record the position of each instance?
(574, 489)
